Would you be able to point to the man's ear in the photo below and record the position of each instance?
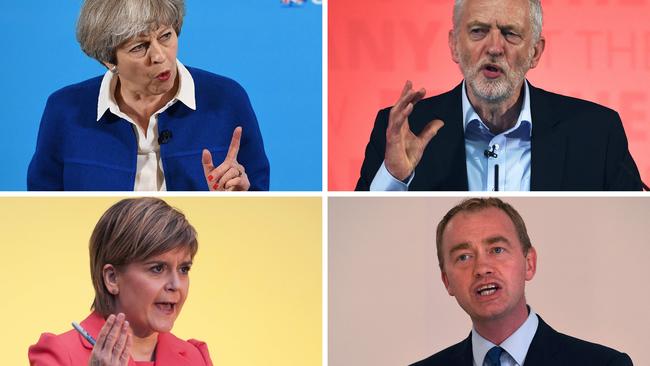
(110, 275)
(531, 264)
(445, 280)
(453, 46)
(538, 49)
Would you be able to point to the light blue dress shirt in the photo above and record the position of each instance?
(515, 347)
(512, 149)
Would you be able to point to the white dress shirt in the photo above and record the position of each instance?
(149, 170)
(512, 148)
(515, 347)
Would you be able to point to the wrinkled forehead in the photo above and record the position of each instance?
(499, 12)
(476, 226)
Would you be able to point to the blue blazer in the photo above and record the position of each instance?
(76, 152)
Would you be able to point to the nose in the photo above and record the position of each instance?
(482, 266)
(156, 53)
(173, 282)
(495, 46)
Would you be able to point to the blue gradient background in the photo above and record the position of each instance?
(273, 51)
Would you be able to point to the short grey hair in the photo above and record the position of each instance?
(536, 17)
(104, 25)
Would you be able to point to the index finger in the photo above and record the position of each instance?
(411, 96)
(233, 150)
(407, 86)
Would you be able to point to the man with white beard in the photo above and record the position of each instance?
(495, 131)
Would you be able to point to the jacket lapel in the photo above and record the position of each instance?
(92, 324)
(543, 348)
(446, 151)
(465, 357)
(548, 145)
(169, 352)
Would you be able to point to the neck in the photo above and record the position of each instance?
(497, 330)
(500, 116)
(141, 106)
(144, 348)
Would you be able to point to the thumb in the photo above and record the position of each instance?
(430, 130)
(206, 160)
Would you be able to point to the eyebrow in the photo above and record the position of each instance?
(475, 23)
(145, 36)
(162, 30)
(497, 239)
(136, 41)
(185, 263)
(489, 241)
(478, 23)
(459, 246)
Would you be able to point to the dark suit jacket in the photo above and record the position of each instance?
(547, 348)
(576, 145)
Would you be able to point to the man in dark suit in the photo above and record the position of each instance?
(495, 131)
(486, 257)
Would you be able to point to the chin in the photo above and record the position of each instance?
(486, 311)
(162, 89)
(161, 323)
(493, 91)
(162, 326)
(495, 311)
(490, 314)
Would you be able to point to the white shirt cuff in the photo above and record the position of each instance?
(384, 181)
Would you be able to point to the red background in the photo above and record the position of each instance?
(595, 49)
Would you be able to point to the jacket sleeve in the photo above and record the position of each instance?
(202, 347)
(45, 172)
(375, 151)
(622, 173)
(49, 351)
(251, 152)
(622, 359)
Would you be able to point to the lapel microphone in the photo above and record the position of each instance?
(491, 153)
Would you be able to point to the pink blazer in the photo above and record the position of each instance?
(71, 349)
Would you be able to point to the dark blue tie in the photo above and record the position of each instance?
(494, 356)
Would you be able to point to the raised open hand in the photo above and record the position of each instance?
(403, 148)
(113, 346)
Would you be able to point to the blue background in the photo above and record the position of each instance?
(272, 50)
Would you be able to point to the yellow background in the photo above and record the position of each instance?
(255, 293)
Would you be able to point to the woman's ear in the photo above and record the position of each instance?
(110, 279)
(111, 67)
